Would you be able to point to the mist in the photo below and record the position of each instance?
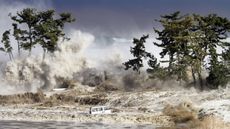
(87, 59)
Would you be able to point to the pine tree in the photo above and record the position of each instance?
(44, 28)
(138, 52)
(188, 40)
(6, 44)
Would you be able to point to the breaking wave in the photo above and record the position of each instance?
(33, 72)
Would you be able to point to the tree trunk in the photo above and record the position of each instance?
(44, 55)
(170, 63)
(30, 34)
(201, 81)
(10, 57)
(194, 77)
(19, 52)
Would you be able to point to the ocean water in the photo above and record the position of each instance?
(67, 125)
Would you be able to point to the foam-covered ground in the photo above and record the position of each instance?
(128, 107)
(65, 125)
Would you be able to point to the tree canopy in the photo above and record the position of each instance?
(6, 44)
(44, 28)
(190, 43)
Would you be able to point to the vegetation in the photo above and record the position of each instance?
(190, 117)
(32, 27)
(6, 44)
(190, 43)
(138, 51)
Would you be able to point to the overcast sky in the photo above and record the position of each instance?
(115, 21)
(127, 17)
(124, 17)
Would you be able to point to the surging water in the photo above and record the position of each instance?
(68, 125)
(33, 72)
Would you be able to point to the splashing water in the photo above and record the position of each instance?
(33, 72)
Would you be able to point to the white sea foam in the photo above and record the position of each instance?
(33, 72)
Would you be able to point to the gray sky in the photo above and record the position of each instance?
(125, 17)
(110, 20)
(122, 17)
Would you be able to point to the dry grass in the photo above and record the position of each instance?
(107, 86)
(181, 113)
(26, 98)
(185, 116)
(70, 97)
(212, 122)
(59, 99)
